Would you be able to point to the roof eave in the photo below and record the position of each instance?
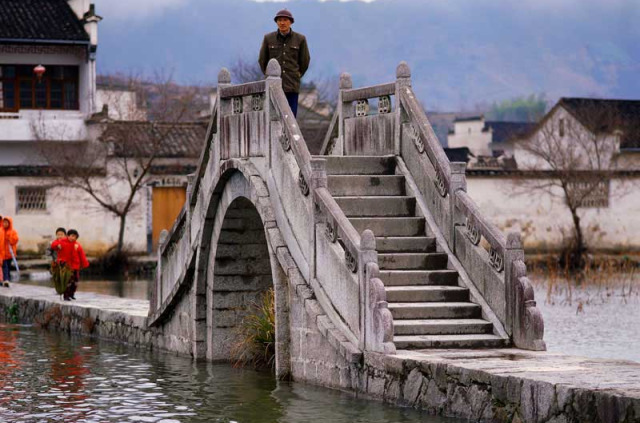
(36, 41)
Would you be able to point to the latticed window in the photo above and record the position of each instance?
(31, 199)
(591, 194)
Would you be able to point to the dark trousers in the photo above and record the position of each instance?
(73, 285)
(6, 268)
(292, 98)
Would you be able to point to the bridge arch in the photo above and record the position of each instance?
(237, 263)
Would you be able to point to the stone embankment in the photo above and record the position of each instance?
(491, 385)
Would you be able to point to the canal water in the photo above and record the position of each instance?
(596, 320)
(46, 377)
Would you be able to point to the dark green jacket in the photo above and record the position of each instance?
(292, 53)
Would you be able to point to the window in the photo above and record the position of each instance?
(31, 199)
(561, 127)
(590, 194)
(21, 89)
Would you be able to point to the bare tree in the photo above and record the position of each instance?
(113, 168)
(573, 156)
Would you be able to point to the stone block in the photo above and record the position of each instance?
(458, 404)
(413, 387)
(229, 300)
(225, 318)
(564, 396)
(392, 390)
(313, 309)
(434, 400)
(324, 324)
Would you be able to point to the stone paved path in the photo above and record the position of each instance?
(615, 376)
(138, 308)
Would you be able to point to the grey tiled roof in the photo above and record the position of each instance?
(507, 131)
(39, 20)
(142, 139)
(608, 115)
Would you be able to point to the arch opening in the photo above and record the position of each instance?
(241, 276)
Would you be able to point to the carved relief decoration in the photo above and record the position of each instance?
(352, 261)
(472, 232)
(362, 108)
(284, 141)
(439, 183)
(257, 102)
(414, 134)
(302, 183)
(496, 260)
(236, 105)
(384, 105)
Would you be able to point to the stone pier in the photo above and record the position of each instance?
(481, 385)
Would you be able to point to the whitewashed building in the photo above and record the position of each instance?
(49, 101)
(610, 213)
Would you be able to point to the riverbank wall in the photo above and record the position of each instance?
(493, 385)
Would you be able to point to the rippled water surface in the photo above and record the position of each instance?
(48, 377)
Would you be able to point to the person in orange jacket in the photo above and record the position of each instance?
(70, 253)
(10, 245)
(1, 248)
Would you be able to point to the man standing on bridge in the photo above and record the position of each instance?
(290, 50)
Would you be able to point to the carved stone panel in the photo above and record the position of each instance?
(362, 108)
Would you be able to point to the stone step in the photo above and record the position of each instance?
(419, 277)
(427, 293)
(463, 310)
(377, 206)
(360, 165)
(362, 185)
(414, 244)
(390, 226)
(448, 341)
(417, 261)
(441, 327)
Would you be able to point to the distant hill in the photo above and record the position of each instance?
(462, 52)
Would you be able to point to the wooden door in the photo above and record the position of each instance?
(166, 205)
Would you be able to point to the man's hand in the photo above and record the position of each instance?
(76, 247)
(59, 247)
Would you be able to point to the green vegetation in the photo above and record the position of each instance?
(12, 313)
(256, 338)
(519, 109)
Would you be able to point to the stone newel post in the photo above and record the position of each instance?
(345, 110)
(403, 80)
(458, 183)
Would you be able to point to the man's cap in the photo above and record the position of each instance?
(284, 13)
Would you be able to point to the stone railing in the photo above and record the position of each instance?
(361, 130)
(499, 273)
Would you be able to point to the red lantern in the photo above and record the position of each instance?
(39, 71)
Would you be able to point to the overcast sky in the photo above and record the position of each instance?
(462, 52)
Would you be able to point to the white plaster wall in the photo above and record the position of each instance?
(548, 134)
(469, 134)
(72, 209)
(542, 218)
(122, 104)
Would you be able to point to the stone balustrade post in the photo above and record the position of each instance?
(318, 180)
(224, 108)
(403, 80)
(458, 183)
(162, 241)
(345, 110)
(367, 256)
(190, 180)
(274, 78)
(513, 252)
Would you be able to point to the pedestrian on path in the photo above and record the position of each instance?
(1, 249)
(291, 51)
(10, 249)
(70, 253)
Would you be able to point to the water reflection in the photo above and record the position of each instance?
(50, 377)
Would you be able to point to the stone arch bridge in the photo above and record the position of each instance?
(372, 247)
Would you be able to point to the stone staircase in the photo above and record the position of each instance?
(429, 308)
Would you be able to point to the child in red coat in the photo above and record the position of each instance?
(70, 253)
